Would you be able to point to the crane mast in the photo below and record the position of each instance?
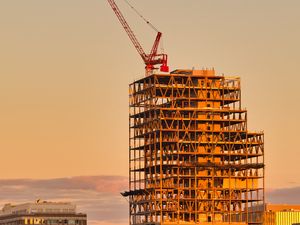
(151, 59)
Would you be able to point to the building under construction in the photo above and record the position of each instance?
(191, 157)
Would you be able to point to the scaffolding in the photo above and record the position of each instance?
(191, 158)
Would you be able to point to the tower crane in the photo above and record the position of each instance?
(151, 59)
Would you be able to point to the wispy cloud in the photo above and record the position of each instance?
(110, 184)
(284, 195)
(98, 196)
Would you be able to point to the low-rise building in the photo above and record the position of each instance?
(42, 212)
(281, 214)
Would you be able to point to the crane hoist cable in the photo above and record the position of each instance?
(140, 15)
(147, 22)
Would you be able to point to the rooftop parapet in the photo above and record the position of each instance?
(38, 207)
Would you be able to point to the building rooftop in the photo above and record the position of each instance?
(39, 207)
(282, 207)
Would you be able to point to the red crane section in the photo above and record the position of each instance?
(151, 59)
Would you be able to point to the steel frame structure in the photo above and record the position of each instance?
(191, 158)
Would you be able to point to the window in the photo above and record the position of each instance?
(209, 219)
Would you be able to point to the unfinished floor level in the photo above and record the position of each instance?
(192, 159)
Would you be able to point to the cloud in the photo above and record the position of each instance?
(284, 196)
(98, 196)
(110, 184)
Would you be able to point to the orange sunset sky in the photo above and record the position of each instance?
(66, 66)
